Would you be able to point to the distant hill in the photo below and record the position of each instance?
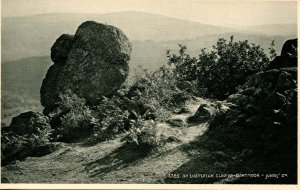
(24, 77)
(34, 35)
(270, 29)
(20, 86)
(195, 45)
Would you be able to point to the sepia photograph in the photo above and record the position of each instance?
(162, 92)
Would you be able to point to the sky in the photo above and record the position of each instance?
(207, 12)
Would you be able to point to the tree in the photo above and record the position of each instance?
(221, 70)
(272, 51)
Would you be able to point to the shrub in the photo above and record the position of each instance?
(144, 135)
(160, 88)
(221, 70)
(149, 96)
(72, 119)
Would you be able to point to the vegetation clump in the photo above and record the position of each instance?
(218, 73)
(72, 119)
(150, 98)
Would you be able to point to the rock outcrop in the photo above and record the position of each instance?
(92, 63)
(288, 57)
(289, 48)
(28, 123)
(262, 118)
(27, 135)
(203, 114)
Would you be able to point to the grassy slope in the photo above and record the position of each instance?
(111, 161)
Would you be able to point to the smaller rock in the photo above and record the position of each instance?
(184, 110)
(203, 114)
(289, 48)
(238, 99)
(172, 139)
(29, 122)
(120, 93)
(177, 122)
(282, 61)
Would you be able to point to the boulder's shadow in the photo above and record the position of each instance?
(122, 157)
(205, 160)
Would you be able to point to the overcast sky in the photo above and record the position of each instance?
(209, 12)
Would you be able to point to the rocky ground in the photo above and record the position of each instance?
(113, 161)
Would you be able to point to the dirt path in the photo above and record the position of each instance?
(110, 161)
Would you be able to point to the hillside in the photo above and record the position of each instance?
(24, 77)
(20, 84)
(23, 37)
(270, 29)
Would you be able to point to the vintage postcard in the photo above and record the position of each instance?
(154, 94)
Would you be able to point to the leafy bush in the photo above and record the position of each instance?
(161, 87)
(272, 51)
(223, 69)
(72, 119)
(144, 135)
(149, 96)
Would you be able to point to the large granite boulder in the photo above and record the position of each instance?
(92, 63)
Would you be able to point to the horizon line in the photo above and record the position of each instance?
(95, 13)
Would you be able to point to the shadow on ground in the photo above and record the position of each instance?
(206, 162)
(122, 157)
(212, 161)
